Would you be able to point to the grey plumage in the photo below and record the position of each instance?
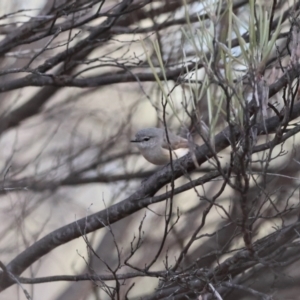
(154, 146)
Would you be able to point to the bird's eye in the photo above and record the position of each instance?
(146, 139)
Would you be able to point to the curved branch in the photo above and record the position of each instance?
(138, 200)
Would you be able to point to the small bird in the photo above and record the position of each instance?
(154, 146)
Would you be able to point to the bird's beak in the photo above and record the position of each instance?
(133, 141)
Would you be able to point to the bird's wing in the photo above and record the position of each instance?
(176, 142)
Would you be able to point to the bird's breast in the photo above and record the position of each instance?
(161, 156)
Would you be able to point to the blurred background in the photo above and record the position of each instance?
(80, 78)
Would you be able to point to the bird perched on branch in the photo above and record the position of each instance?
(155, 146)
